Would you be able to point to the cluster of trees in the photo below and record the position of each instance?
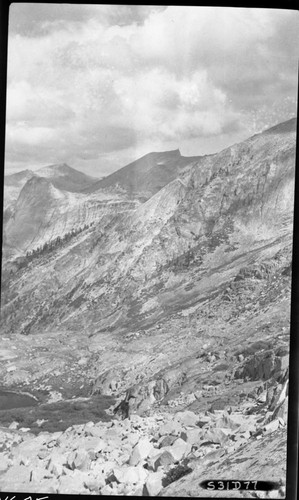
(51, 245)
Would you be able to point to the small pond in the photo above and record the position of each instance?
(9, 400)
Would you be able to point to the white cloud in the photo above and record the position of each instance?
(95, 80)
(29, 136)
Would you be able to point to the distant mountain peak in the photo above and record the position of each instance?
(172, 153)
(146, 175)
(55, 169)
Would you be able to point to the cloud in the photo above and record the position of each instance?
(157, 104)
(88, 81)
(33, 20)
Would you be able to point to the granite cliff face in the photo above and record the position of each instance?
(13, 184)
(61, 175)
(177, 294)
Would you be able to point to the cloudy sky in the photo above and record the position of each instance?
(97, 86)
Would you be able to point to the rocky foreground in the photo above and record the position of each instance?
(164, 453)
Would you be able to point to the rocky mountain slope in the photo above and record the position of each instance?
(12, 186)
(61, 175)
(147, 175)
(179, 302)
(49, 205)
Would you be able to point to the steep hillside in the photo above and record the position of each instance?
(12, 186)
(147, 175)
(43, 212)
(182, 301)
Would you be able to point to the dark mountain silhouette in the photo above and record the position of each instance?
(147, 175)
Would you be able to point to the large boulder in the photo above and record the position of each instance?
(130, 474)
(140, 397)
(173, 428)
(163, 459)
(73, 483)
(264, 365)
(191, 436)
(154, 483)
(179, 449)
(187, 418)
(16, 479)
(216, 435)
(79, 460)
(141, 451)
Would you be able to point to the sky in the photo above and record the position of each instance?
(98, 86)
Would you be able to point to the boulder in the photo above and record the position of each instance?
(233, 422)
(133, 438)
(279, 395)
(187, 418)
(163, 459)
(216, 435)
(72, 483)
(27, 451)
(203, 421)
(154, 483)
(179, 449)
(17, 473)
(171, 428)
(112, 434)
(140, 491)
(39, 473)
(281, 412)
(191, 436)
(94, 483)
(43, 453)
(263, 365)
(98, 445)
(271, 427)
(79, 460)
(56, 462)
(108, 489)
(130, 475)
(136, 421)
(14, 425)
(57, 469)
(140, 397)
(140, 451)
(166, 441)
(95, 431)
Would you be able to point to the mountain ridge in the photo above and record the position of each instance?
(62, 176)
(146, 175)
